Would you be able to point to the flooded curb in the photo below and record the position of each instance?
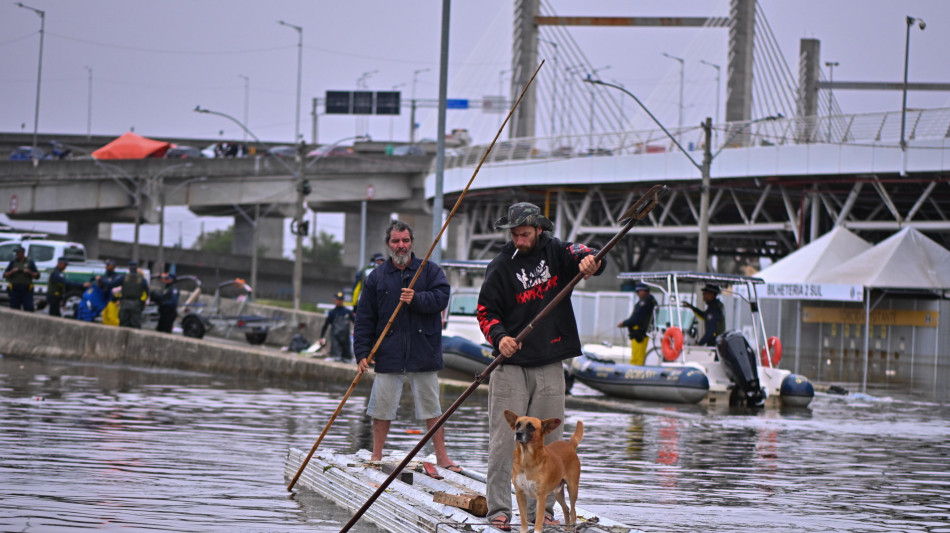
(39, 336)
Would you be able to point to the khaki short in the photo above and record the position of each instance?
(387, 390)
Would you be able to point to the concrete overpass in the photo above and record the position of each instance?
(85, 193)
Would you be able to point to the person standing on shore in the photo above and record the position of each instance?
(338, 321)
(134, 294)
(20, 273)
(532, 268)
(412, 349)
(57, 287)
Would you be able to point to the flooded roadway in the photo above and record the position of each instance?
(110, 447)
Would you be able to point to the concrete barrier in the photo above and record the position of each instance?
(37, 335)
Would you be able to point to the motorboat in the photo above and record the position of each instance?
(742, 368)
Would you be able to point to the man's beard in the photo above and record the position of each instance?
(401, 258)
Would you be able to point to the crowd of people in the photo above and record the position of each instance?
(119, 298)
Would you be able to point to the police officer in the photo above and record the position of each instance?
(167, 304)
(339, 320)
(714, 317)
(58, 286)
(20, 273)
(134, 293)
(110, 279)
(638, 324)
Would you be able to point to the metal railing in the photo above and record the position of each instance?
(871, 128)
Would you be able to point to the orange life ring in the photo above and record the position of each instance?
(672, 343)
(774, 346)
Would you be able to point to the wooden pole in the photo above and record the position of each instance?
(392, 318)
(635, 214)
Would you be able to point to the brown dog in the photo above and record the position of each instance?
(539, 470)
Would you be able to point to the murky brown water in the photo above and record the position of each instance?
(98, 447)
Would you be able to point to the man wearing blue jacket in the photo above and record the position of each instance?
(412, 348)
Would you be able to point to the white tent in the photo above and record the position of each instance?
(824, 253)
(906, 260)
(794, 276)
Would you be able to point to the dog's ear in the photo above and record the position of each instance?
(549, 425)
(511, 417)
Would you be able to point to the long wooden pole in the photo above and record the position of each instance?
(635, 214)
(392, 318)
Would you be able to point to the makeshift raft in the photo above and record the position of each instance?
(415, 501)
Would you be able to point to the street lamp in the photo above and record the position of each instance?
(922, 25)
(160, 259)
(39, 73)
(362, 123)
(682, 79)
(392, 119)
(412, 113)
(831, 88)
(89, 107)
(590, 75)
(718, 72)
(247, 100)
(299, 71)
(554, 86)
(705, 167)
(302, 188)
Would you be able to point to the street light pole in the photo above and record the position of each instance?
(831, 88)
(412, 112)
(682, 63)
(89, 107)
(39, 74)
(247, 100)
(299, 74)
(718, 78)
(162, 197)
(922, 25)
(591, 132)
(705, 168)
(553, 132)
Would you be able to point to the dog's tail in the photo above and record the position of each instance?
(578, 434)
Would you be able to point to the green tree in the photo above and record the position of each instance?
(220, 241)
(324, 249)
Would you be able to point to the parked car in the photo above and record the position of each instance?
(282, 151)
(183, 152)
(409, 149)
(25, 153)
(334, 151)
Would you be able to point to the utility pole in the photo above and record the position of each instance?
(299, 226)
(702, 252)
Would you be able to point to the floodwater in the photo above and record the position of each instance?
(112, 447)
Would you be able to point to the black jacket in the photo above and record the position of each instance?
(641, 318)
(516, 290)
(414, 342)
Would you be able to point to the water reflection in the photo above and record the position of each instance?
(109, 447)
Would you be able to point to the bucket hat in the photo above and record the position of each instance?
(524, 214)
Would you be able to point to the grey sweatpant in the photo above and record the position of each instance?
(537, 392)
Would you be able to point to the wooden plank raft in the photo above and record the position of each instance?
(414, 501)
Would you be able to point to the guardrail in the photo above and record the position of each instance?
(869, 128)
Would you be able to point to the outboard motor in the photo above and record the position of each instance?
(741, 367)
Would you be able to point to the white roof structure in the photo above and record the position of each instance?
(822, 254)
(906, 260)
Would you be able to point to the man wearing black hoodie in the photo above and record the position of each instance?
(532, 268)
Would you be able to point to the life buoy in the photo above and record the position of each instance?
(774, 346)
(672, 343)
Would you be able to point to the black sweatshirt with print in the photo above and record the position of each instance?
(517, 289)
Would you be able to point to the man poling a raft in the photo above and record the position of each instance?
(399, 307)
(630, 218)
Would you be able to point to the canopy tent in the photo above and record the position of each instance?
(824, 253)
(131, 146)
(906, 260)
(794, 277)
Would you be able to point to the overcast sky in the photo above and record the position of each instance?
(153, 62)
